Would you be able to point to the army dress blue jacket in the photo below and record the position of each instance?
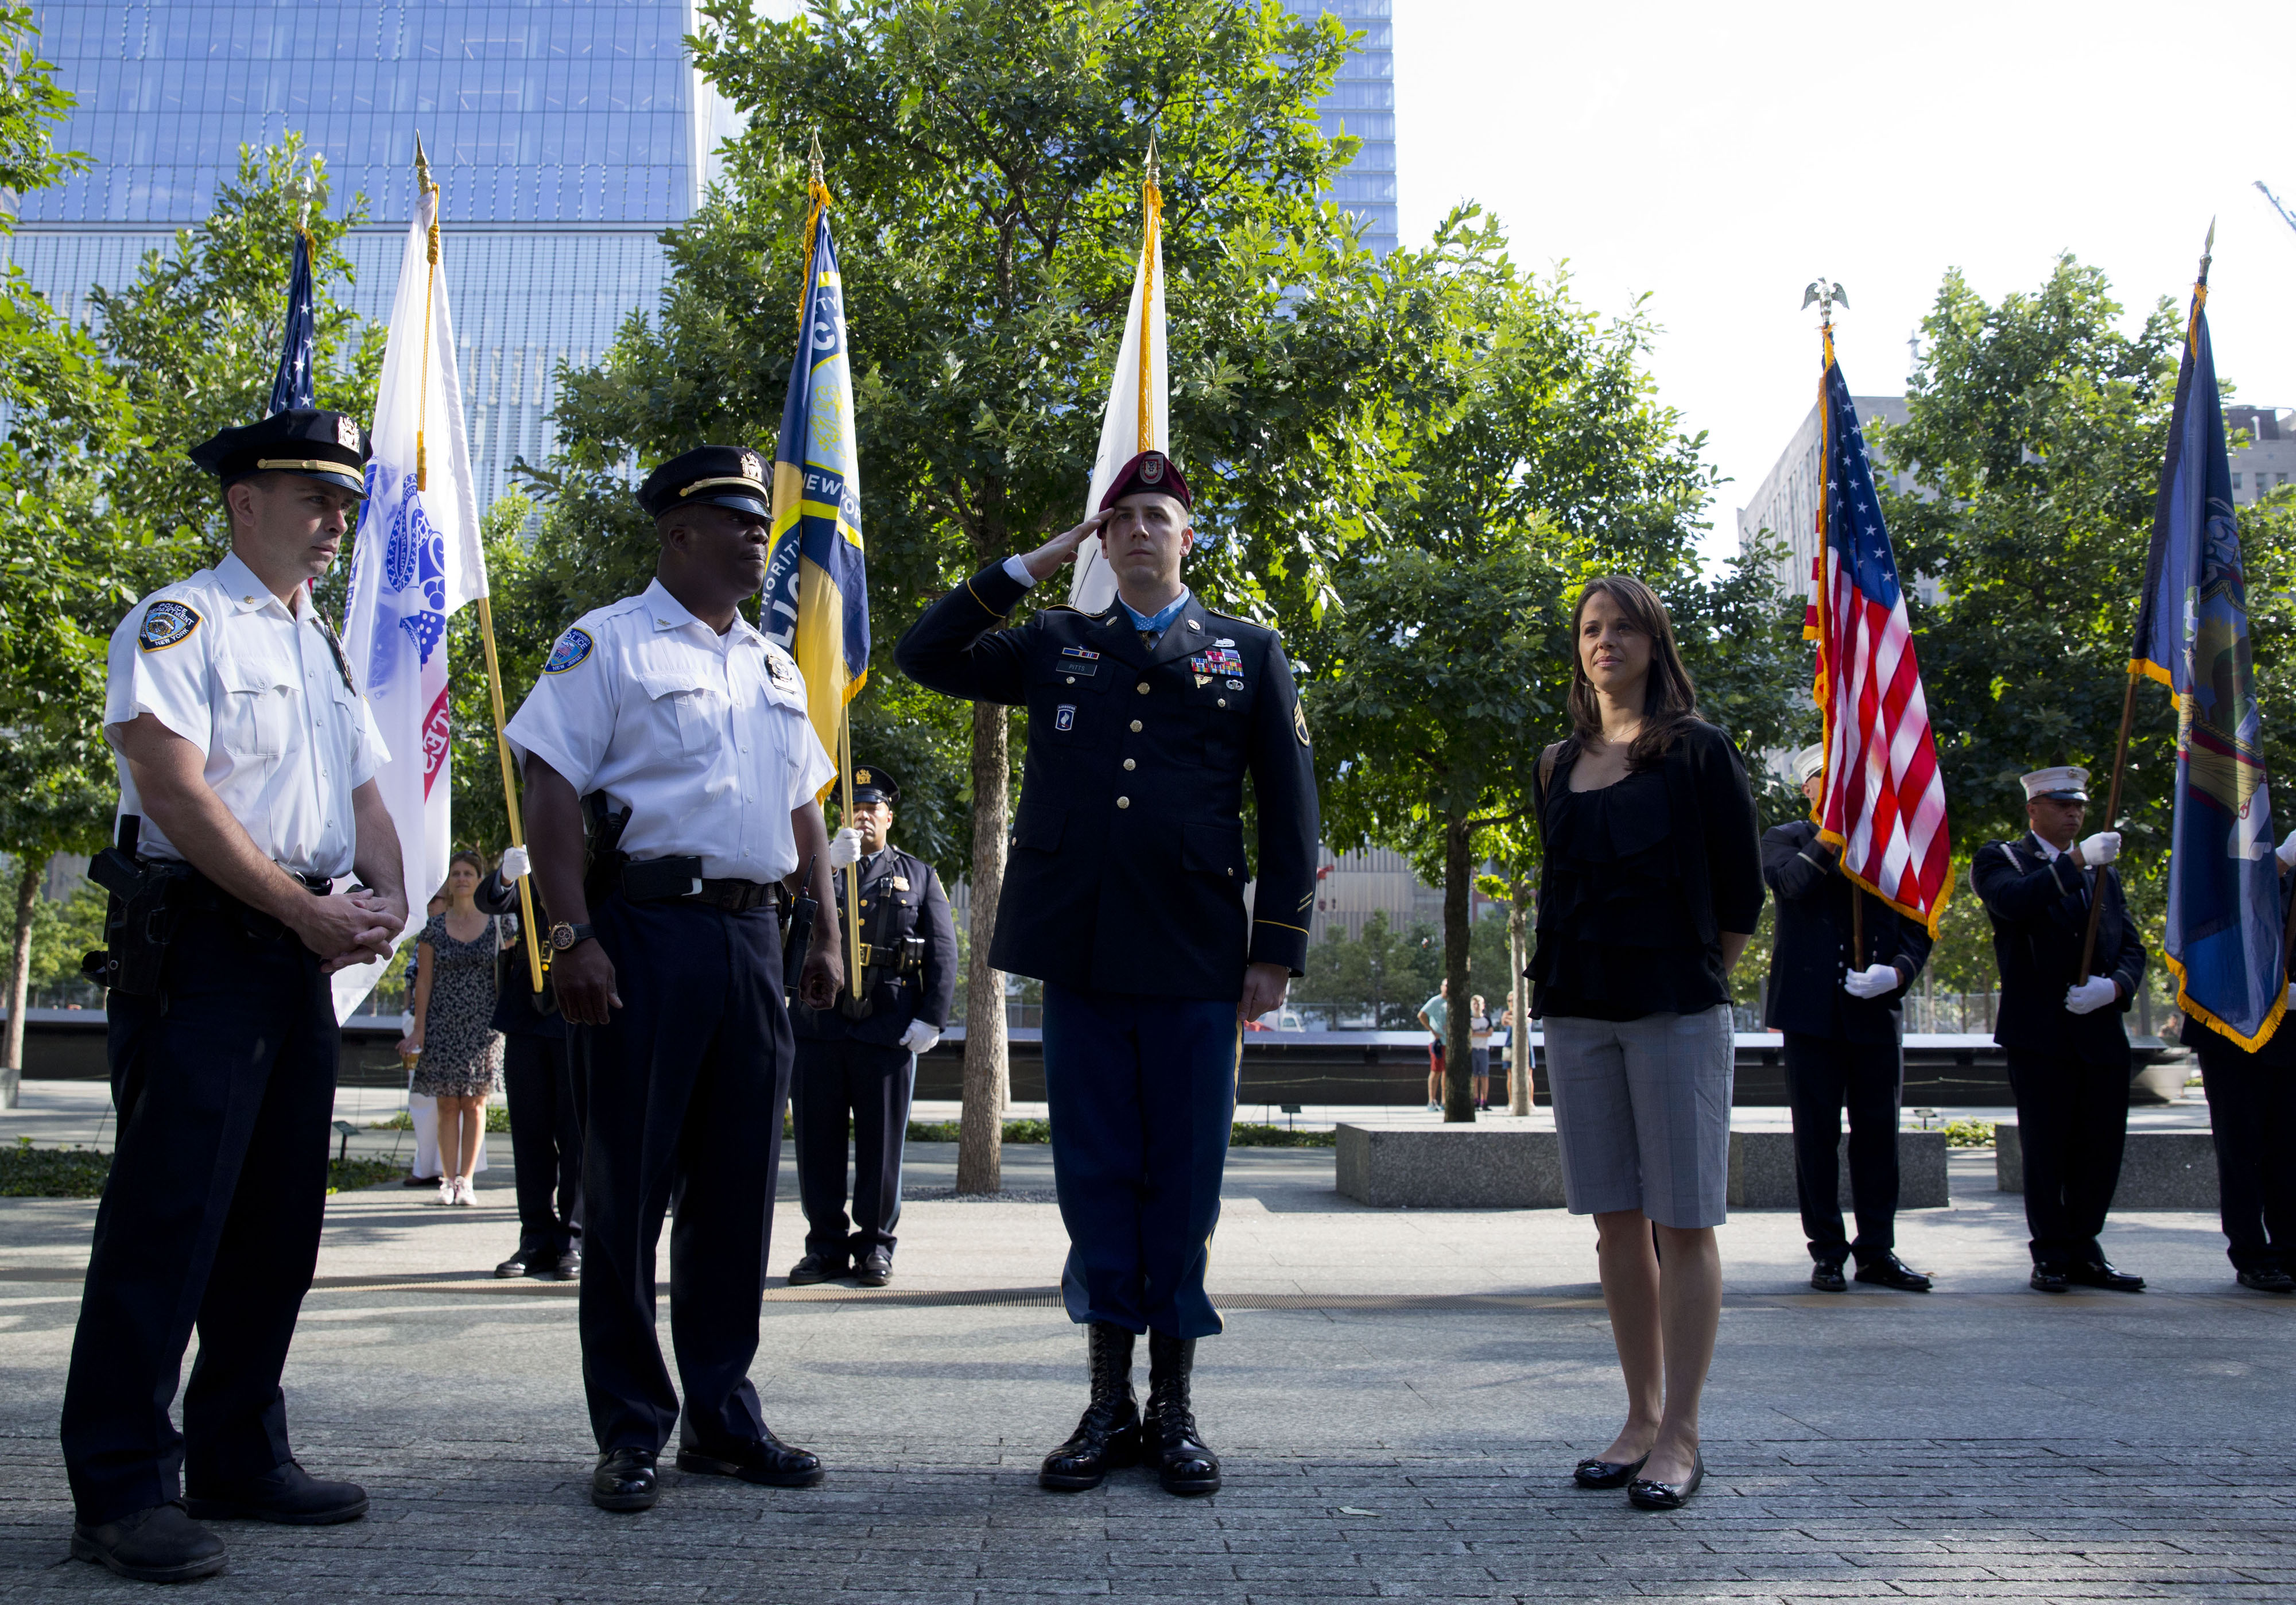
(1128, 869)
(2039, 910)
(900, 897)
(1812, 951)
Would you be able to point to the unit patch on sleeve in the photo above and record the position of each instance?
(1299, 721)
(572, 651)
(1065, 717)
(165, 624)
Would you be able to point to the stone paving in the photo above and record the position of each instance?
(1398, 1398)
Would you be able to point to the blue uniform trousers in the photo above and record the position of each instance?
(211, 1217)
(838, 1077)
(546, 1140)
(1142, 1094)
(683, 1094)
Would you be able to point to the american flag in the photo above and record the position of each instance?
(1884, 800)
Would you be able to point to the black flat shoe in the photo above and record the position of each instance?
(1825, 1277)
(1645, 1494)
(287, 1494)
(2098, 1273)
(875, 1269)
(2044, 1280)
(2270, 1280)
(769, 1463)
(625, 1480)
(524, 1261)
(562, 1267)
(162, 1545)
(1606, 1473)
(813, 1268)
(1891, 1272)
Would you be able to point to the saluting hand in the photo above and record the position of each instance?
(1047, 559)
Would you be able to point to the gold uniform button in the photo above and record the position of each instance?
(1128, 763)
(1136, 727)
(1071, 679)
(1123, 802)
(1142, 688)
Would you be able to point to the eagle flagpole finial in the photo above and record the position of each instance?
(1827, 294)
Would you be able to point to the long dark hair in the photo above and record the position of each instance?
(1670, 699)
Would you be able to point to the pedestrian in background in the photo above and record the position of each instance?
(461, 1051)
(1479, 1036)
(1435, 1019)
(1649, 893)
(546, 1125)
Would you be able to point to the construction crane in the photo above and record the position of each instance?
(2269, 195)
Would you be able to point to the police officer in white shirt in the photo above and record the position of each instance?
(247, 763)
(669, 707)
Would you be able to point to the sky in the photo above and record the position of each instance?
(1719, 157)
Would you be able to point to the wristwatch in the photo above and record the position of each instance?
(564, 936)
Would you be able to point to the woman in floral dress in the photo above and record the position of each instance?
(461, 1053)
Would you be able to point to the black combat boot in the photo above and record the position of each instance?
(1108, 1437)
(1182, 1464)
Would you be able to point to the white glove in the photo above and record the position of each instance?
(844, 848)
(2091, 995)
(920, 1038)
(2103, 847)
(515, 863)
(2286, 851)
(1873, 981)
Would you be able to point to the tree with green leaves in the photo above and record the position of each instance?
(985, 160)
(1542, 459)
(2040, 423)
(1385, 971)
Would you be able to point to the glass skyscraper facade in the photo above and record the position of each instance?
(1362, 102)
(565, 137)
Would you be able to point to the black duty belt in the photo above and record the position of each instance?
(680, 880)
(204, 893)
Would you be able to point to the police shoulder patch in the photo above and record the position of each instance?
(572, 651)
(165, 624)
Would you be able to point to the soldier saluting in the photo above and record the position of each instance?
(1124, 895)
(2068, 1060)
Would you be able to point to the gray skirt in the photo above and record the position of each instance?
(1642, 1112)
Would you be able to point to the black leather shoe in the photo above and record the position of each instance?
(1645, 1495)
(162, 1545)
(2048, 1279)
(875, 1269)
(287, 1493)
(2271, 1279)
(1605, 1473)
(524, 1261)
(565, 1267)
(1891, 1272)
(1184, 1465)
(1108, 1436)
(813, 1268)
(1825, 1276)
(2098, 1273)
(625, 1481)
(768, 1461)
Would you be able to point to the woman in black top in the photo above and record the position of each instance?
(1649, 891)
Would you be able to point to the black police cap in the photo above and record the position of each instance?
(307, 441)
(873, 784)
(711, 476)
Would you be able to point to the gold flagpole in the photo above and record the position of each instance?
(486, 611)
(852, 871)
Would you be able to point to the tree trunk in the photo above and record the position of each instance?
(980, 1135)
(29, 874)
(1519, 999)
(1458, 886)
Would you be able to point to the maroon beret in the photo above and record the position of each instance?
(1151, 472)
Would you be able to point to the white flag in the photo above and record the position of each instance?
(416, 559)
(1137, 419)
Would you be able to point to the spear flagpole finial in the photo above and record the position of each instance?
(1150, 169)
(421, 164)
(2208, 251)
(813, 169)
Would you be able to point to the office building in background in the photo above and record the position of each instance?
(1362, 102)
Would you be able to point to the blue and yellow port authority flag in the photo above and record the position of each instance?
(2223, 939)
(291, 386)
(817, 598)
